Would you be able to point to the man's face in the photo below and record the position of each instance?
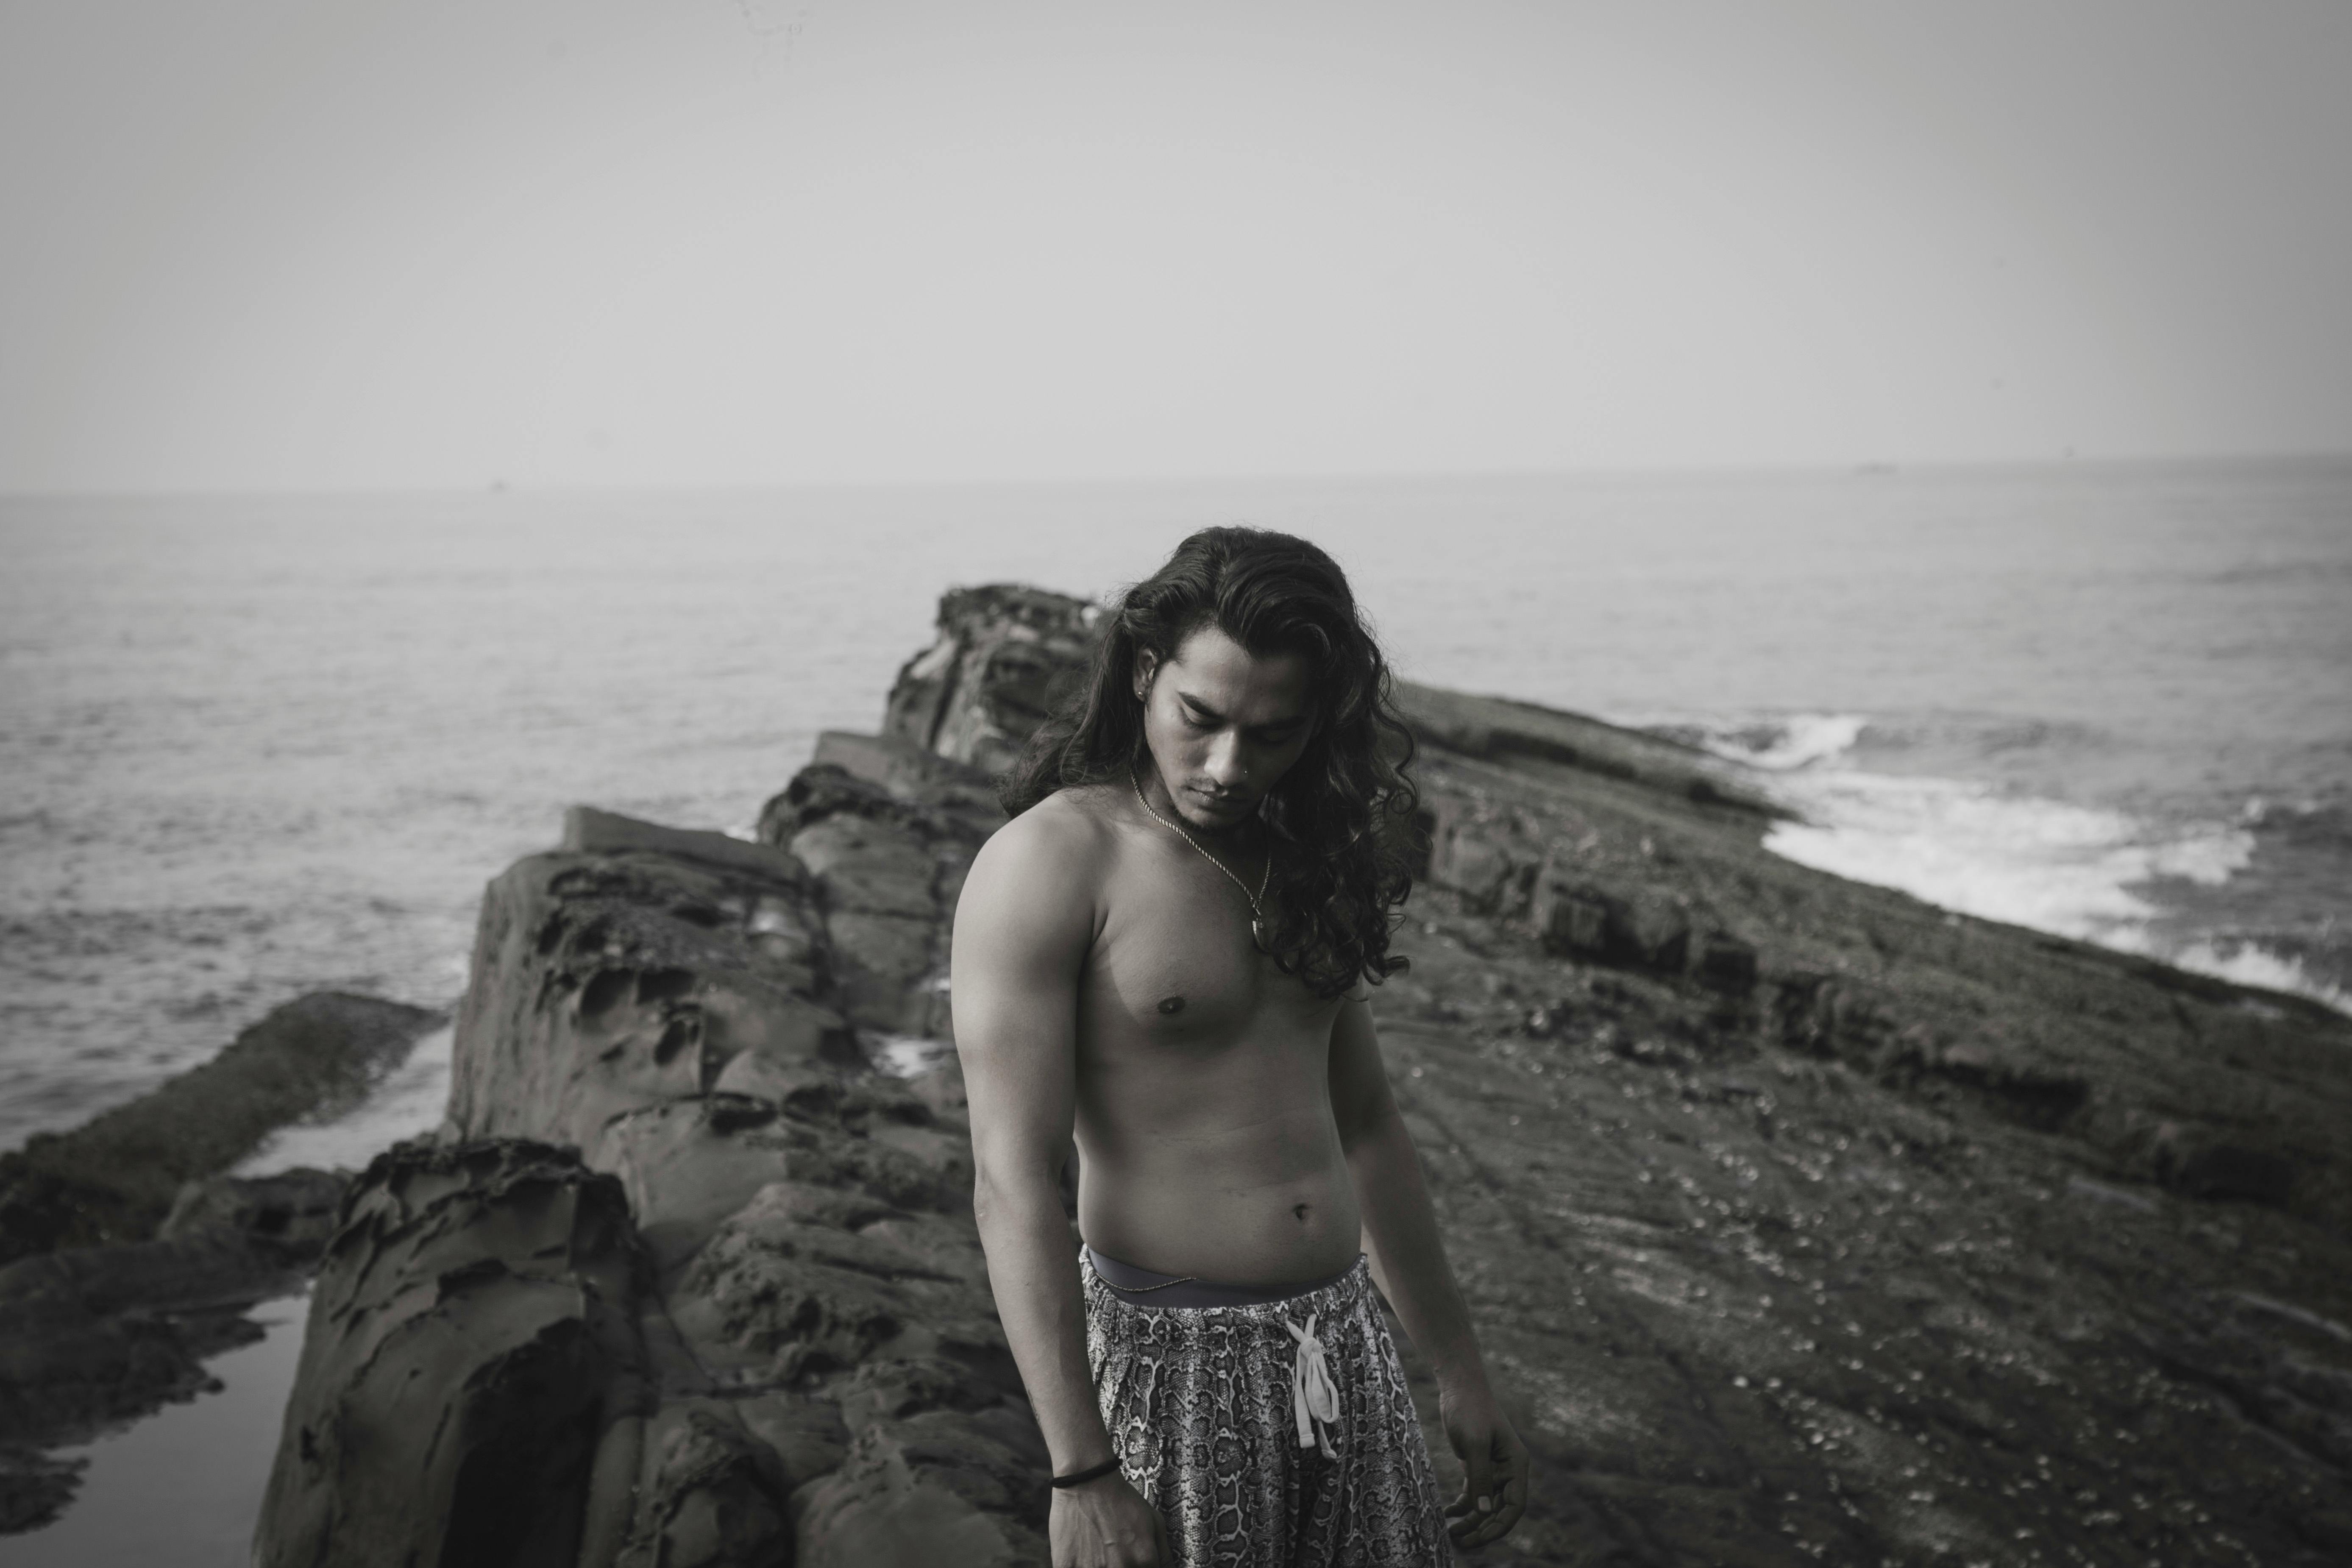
(1223, 726)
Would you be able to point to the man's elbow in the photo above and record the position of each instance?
(1008, 1188)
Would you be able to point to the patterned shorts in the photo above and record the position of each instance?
(1206, 1406)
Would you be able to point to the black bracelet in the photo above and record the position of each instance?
(1094, 1474)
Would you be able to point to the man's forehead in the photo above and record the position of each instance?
(1214, 670)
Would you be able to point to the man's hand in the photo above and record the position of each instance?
(1106, 1523)
(1494, 1462)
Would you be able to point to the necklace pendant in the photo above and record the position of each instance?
(1258, 934)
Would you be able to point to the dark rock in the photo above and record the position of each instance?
(113, 1178)
(473, 1348)
(713, 1496)
(1005, 655)
(1726, 964)
(1486, 856)
(288, 1216)
(948, 791)
(2031, 1093)
(34, 1488)
(2208, 1163)
(612, 982)
(826, 789)
(1576, 919)
(675, 1012)
(1501, 730)
(886, 780)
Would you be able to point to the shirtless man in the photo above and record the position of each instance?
(1167, 954)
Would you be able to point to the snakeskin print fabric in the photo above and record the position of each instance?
(1200, 1405)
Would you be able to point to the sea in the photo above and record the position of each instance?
(256, 746)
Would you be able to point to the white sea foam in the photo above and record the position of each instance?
(1786, 744)
(2249, 963)
(2077, 871)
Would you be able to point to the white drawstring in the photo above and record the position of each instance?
(1312, 1396)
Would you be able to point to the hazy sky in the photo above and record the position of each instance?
(318, 243)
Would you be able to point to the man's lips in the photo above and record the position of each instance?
(1221, 803)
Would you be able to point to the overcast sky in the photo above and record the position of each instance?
(328, 244)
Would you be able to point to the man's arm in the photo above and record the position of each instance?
(1023, 923)
(1409, 1264)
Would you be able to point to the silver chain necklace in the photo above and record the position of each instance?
(1257, 917)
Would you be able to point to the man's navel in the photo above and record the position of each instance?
(1172, 1005)
(1298, 1212)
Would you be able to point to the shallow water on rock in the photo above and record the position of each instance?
(183, 1488)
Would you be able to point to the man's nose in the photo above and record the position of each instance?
(1227, 764)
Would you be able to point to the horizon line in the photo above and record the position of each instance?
(1855, 469)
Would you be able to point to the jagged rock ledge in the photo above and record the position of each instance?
(1804, 1222)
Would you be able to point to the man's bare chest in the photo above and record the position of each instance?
(1175, 965)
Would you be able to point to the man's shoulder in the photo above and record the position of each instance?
(1073, 830)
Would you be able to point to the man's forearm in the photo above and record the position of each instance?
(1408, 1259)
(1033, 1267)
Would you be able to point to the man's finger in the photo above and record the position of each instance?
(1494, 1491)
(1476, 1506)
(1510, 1493)
(1506, 1514)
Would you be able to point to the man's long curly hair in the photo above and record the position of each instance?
(1339, 818)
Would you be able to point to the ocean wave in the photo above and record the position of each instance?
(2251, 963)
(2085, 872)
(1778, 745)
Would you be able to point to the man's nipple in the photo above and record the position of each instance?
(1172, 1004)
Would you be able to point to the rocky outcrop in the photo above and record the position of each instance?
(474, 1331)
(781, 1346)
(129, 1260)
(1005, 655)
(114, 1179)
(1804, 1223)
(1811, 1222)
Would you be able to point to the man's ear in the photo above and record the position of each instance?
(1147, 665)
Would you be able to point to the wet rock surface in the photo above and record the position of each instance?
(93, 1337)
(781, 1346)
(1805, 1222)
(1802, 1222)
(129, 1260)
(114, 1178)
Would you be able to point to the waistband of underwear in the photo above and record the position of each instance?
(1143, 1288)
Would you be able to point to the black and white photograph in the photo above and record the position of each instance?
(1102, 785)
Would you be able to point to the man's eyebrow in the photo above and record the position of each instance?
(1203, 710)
